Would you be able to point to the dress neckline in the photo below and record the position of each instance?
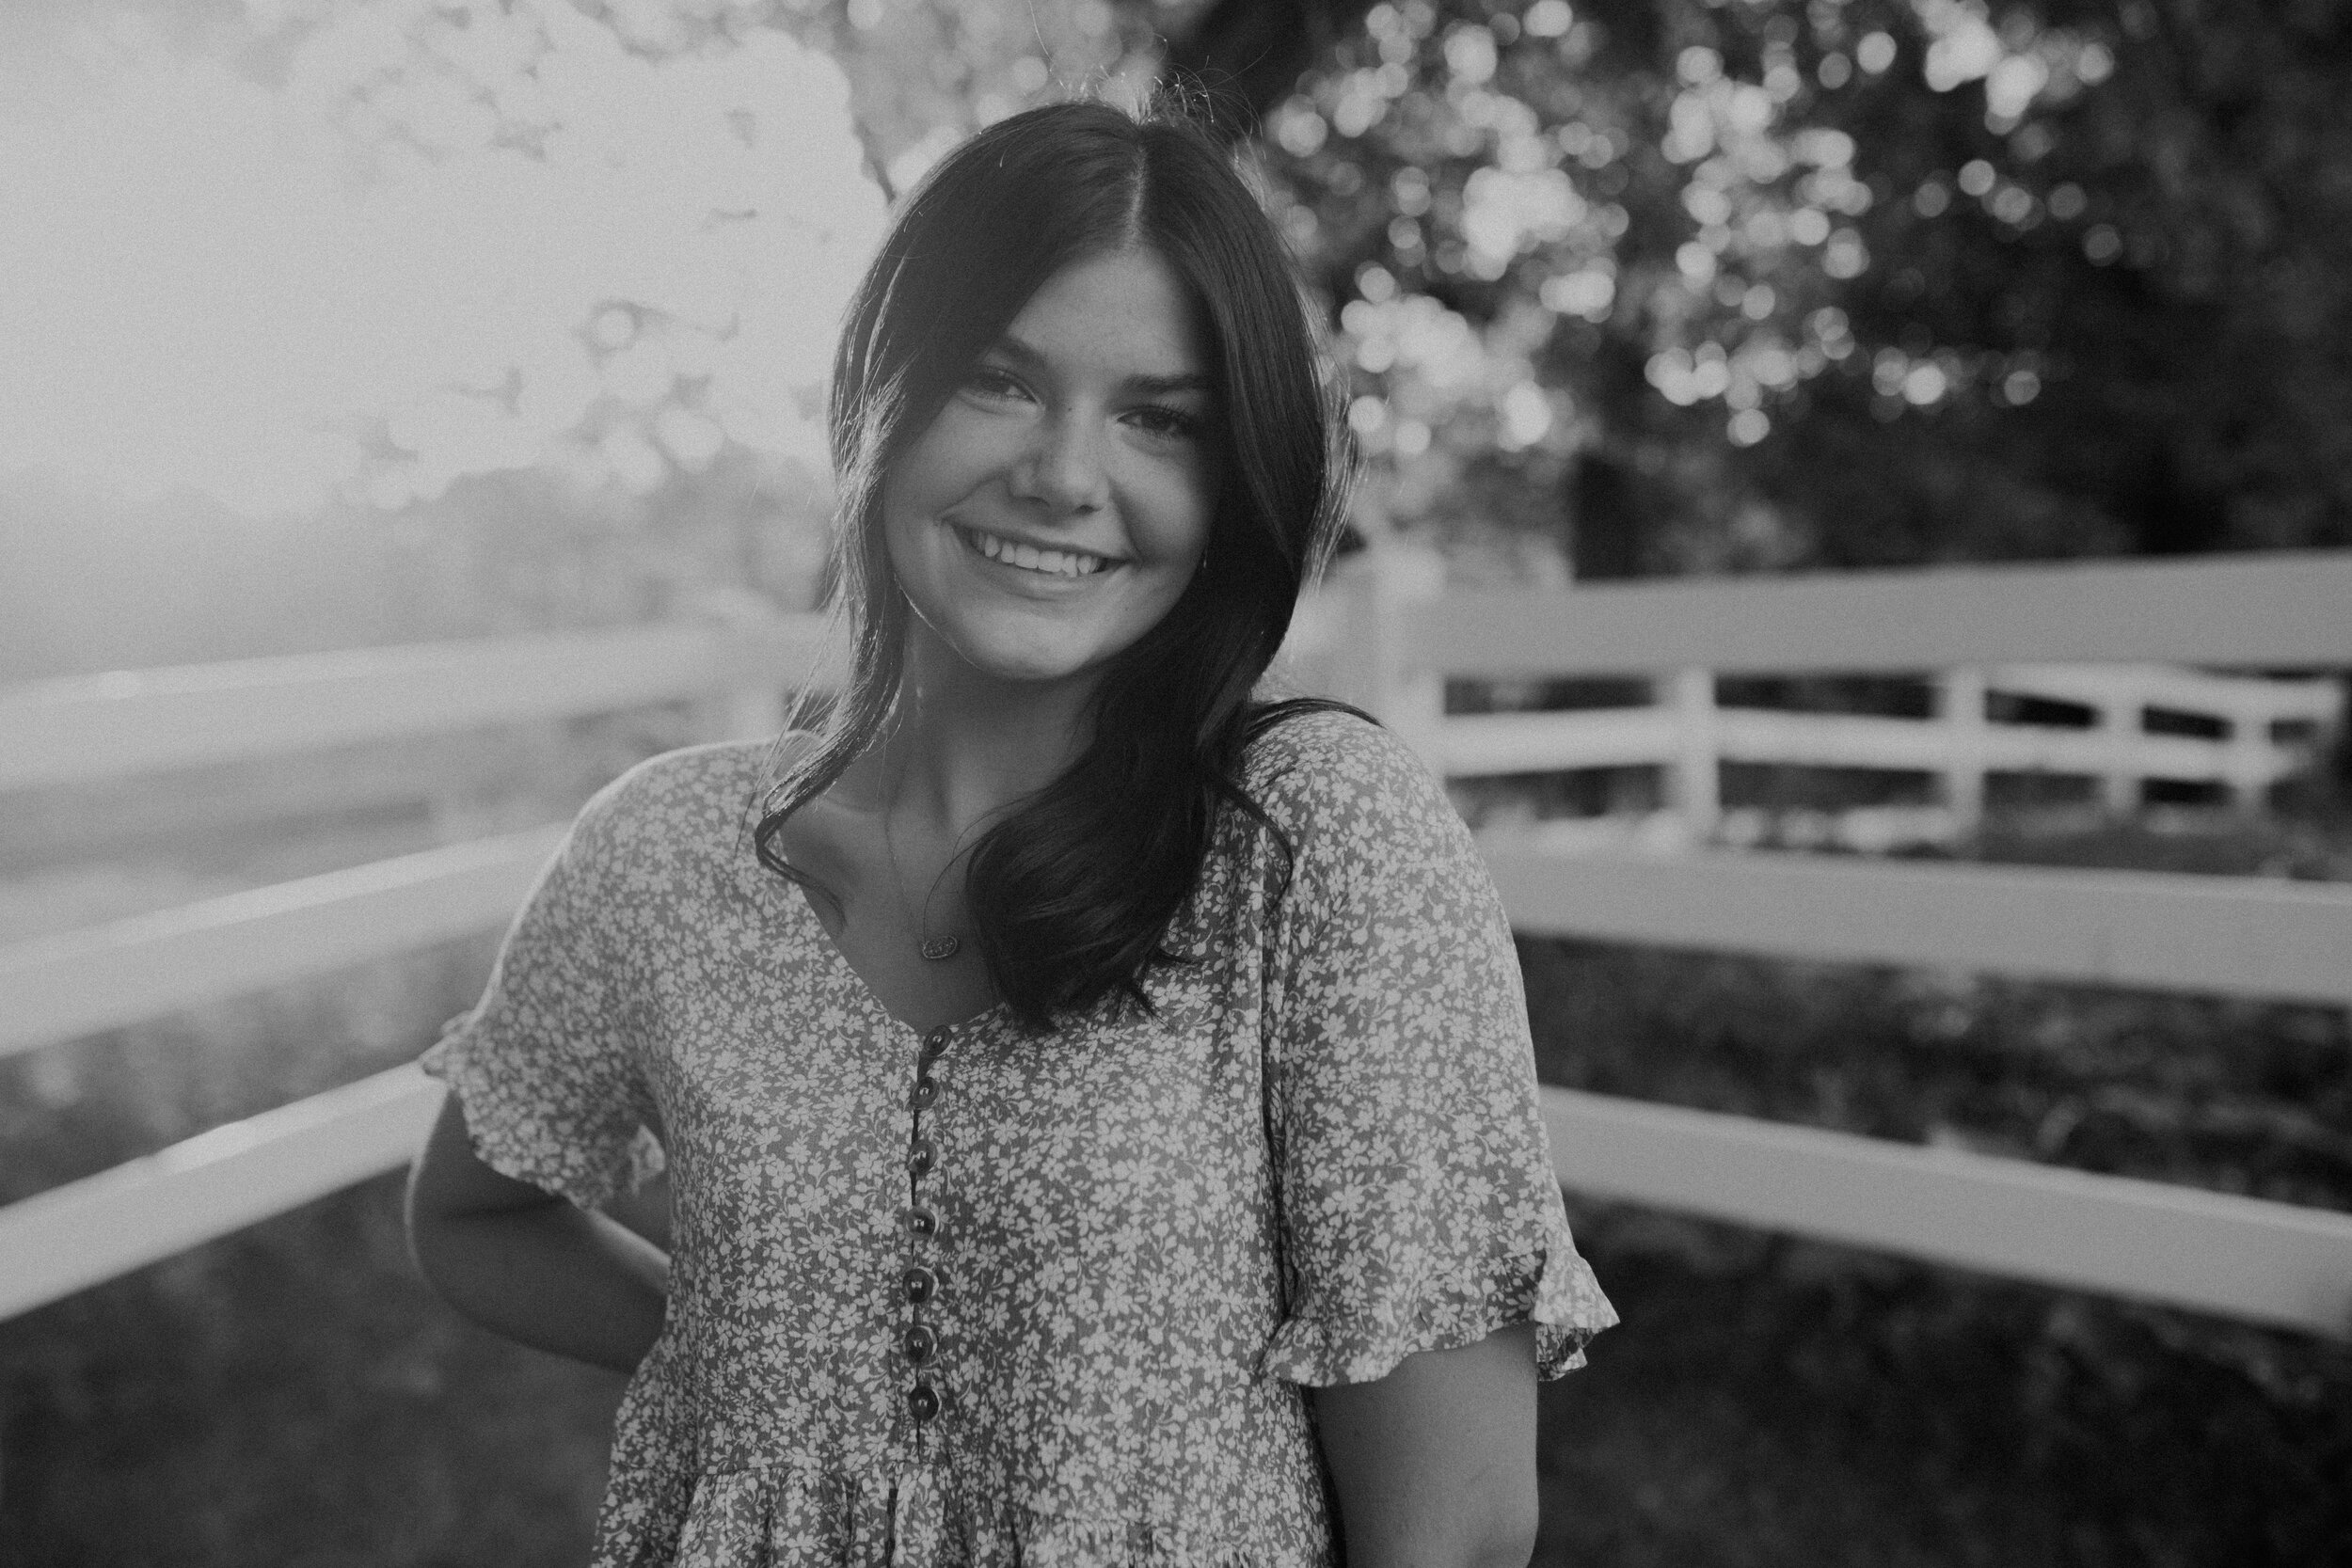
(839, 961)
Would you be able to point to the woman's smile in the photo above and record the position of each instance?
(1047, 560)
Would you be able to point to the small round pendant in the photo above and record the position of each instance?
(939, 948)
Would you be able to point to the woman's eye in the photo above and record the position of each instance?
(991, 382)
(1173, 422)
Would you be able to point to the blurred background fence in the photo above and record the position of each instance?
(1388, 638)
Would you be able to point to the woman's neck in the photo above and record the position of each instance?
(962, 746)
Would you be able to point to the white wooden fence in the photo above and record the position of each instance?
(1384, 640)
(2262, 728)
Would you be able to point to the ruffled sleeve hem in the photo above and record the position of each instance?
(786, 1516)
(513, 1135)
(1362, 1341)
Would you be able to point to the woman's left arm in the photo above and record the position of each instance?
(1413, 1182)
(1435, 1463)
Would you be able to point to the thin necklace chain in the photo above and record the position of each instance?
(933, 948)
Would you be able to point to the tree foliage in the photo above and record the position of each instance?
(1738, 285)
(1659, 285)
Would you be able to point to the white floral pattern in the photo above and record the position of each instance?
(1320, 1155)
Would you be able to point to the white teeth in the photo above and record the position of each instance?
(1064, 563)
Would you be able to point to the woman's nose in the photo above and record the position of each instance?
(1063, 466)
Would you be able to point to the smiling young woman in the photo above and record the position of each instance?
(1098, 1099)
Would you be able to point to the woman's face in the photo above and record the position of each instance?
(1060, 502)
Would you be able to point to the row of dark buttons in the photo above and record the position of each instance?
(919, 1342)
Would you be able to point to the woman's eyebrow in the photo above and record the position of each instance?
(1155, 386)
(1027, 358)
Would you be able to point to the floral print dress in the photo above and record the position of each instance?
(990, 1297)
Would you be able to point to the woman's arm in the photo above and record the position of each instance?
(528, 1264)
(1435, 1463)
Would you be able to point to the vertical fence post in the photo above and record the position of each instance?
(1961, 713)
(1697, 784)
(2248, 760)
(1375, 664)
(2118, 735)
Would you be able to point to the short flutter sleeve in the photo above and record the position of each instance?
(1419, 1210)
(546, 1065)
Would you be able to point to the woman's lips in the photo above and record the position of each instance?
(1068, 565)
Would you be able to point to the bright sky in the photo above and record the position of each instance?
(444, 243)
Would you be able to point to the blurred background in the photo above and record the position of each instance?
(351, 324)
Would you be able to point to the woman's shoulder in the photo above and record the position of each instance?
(1304, 734)
(1312, 769)
(691, 795)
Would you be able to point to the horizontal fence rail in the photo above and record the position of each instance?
(2225, 935)
(133, 722)
(124, 970)
(2267, 1262)
(2271, 1263)
(2264, 1262)
(2107, 685)
(1856, 740)
(2284, 609)
(75, 1236)
(1472, 745)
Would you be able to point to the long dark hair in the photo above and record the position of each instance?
(1071, 892)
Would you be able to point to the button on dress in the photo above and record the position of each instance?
(991, 1297)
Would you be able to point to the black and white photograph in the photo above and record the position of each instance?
(1175, 783)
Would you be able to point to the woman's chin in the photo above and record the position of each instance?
(1022, 663)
